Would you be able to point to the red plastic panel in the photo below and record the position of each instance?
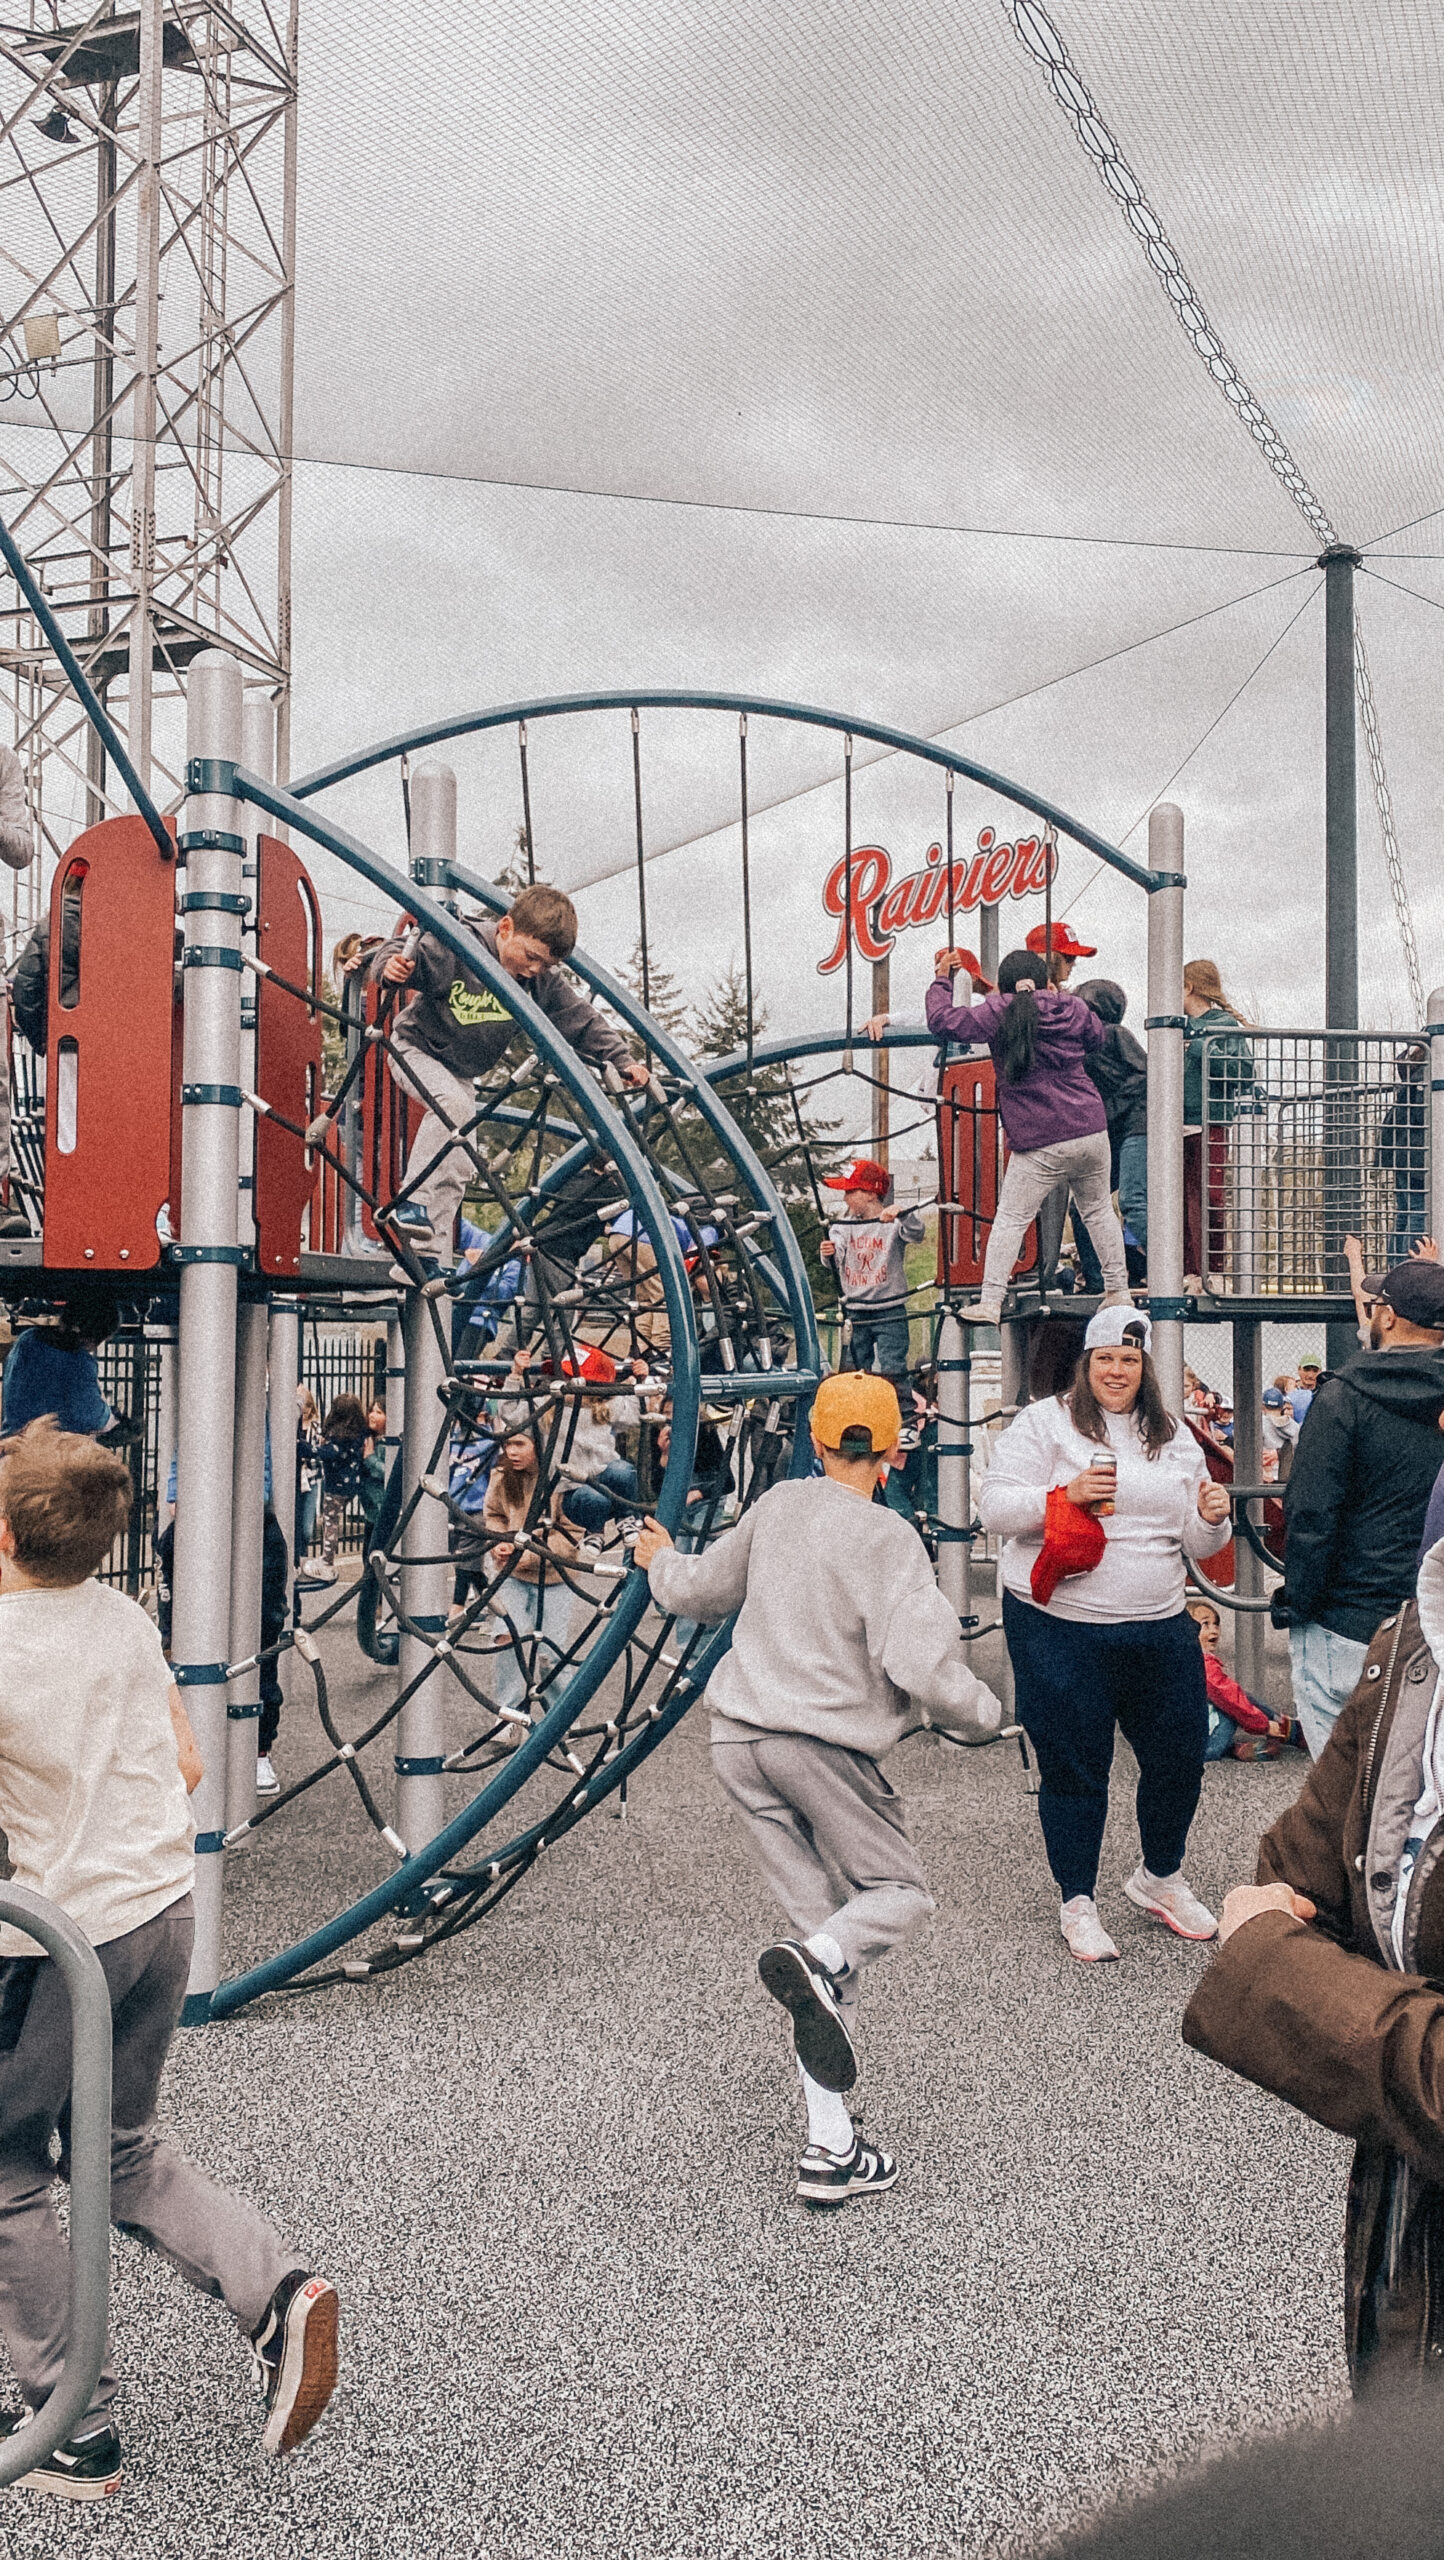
(103, 1194)
(288, 1053)
(970, 1160)
(389, 1117)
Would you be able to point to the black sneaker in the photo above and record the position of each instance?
(87, 2467)
(295, 2352)
(819, 2030)
(823, 2179)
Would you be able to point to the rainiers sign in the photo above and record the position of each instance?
(882, 907)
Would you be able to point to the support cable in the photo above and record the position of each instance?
(1039, 36)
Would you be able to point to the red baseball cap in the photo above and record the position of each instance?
(1066, 945)
(596, 1368)
(865, 1175)
(969, 961)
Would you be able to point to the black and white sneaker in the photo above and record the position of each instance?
(87, 2467)
(823, 2179)
(295, 2353)
(819, 2029)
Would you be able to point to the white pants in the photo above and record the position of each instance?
(1083, 1163)
(453, 1097)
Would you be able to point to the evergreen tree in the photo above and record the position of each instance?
(789, 1134)
(665, 1000)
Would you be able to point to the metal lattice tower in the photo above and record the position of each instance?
(147, 255)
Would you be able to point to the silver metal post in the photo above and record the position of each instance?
(1249, 1625)
(208, 1254)
(954, 1465)
(1165, 1100)
(283, 1362)
(90, 2041)
(1012, 1367)
(425, 1569)
(243, 1699)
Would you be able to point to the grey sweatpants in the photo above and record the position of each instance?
(221, 2244)
(1083, 1163)
(831, 1839)
(441, 1184)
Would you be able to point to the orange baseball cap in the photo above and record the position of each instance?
(857, 1414)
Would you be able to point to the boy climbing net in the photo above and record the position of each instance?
(843, 1644)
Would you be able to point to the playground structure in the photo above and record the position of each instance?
(176, 1160)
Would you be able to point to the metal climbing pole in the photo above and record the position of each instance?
(955, 1552)
(1165, 1097)
(208, 1253)
(243, 1697)
(425, 1571)
(1250, 1625)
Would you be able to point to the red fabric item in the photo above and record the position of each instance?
(866, 1175)
(1073, 1542)
(596, 1367)
(1230, 1699)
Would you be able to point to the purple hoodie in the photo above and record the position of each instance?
(1056, 1099)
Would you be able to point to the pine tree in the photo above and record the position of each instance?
(664, 998)
(787, 1132)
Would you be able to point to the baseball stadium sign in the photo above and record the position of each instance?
(882, 908)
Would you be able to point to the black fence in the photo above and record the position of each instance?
(335, 1361)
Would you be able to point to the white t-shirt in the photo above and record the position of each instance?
(91, 1797)
(1156, 1523)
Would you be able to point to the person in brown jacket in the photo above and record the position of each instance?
(1328, 1988)
(528, 1534)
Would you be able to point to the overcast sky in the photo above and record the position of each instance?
(590, 299)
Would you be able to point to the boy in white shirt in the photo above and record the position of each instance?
(96, 1758)
(843, 1644)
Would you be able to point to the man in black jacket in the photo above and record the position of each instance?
(1354, 1507)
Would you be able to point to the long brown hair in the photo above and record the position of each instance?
(515, 1487)
(346, 1420)
(1201, 978)
(1156, 1425)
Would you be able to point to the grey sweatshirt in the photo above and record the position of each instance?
(843, 1633)
(455, 1017)
(871, 1267)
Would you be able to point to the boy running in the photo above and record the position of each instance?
(96, 1758)
(843, 1644)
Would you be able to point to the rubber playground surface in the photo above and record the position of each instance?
(550, 2171)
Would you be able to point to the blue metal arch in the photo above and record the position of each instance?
(465, 724)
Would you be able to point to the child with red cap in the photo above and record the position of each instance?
(868, 1249)
(843, 1643)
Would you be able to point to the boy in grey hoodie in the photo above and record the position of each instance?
(843, 1643)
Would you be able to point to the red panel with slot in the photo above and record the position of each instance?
(389, 1118)
(109, 1067)
(288, 1053)
(970, 1157)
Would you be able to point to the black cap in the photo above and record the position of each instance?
(1415, 1291)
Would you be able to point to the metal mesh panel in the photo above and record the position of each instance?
(1308, 1137)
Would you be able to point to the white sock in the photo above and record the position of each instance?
(826, 1950)
(828, 2121)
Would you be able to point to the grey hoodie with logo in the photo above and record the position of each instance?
(455, 1018)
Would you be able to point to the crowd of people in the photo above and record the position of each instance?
(1325, 1987)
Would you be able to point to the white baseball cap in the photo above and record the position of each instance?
(1114, 1326)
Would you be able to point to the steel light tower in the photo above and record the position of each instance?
(147, 256)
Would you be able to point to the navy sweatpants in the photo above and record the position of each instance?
(1073, 1684)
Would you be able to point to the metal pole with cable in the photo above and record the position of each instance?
(1164, 1027)
(243, 1697)
(954, 1465)
(1341, 926)
(208, 1253)
(425, 1569)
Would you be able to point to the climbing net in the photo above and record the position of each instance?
(552, 1334)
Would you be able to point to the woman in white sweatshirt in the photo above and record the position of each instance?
(1112, 1645)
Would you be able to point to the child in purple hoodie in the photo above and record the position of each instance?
(1052, 1113)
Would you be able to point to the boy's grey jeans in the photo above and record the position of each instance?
(221, 2244)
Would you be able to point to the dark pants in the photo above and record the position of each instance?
(593, 1504)
(884, 1330)
(1074, 1684)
